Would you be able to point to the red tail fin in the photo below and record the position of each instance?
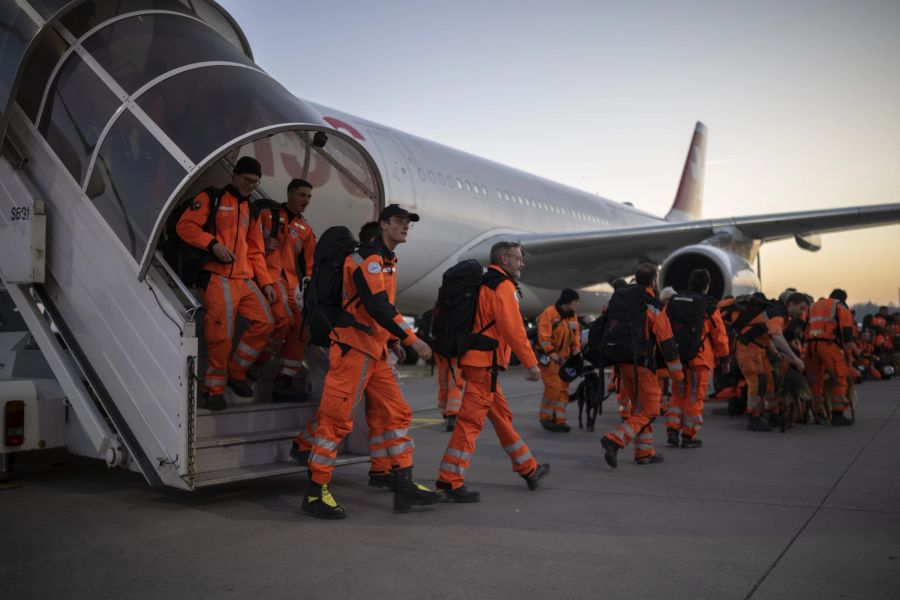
(689, 200)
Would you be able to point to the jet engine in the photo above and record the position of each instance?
(730, 273)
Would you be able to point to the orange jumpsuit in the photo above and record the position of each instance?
(562, 336)
(685, 414)
(501, 306)
(231, 290)
(451, 384)
(358, 364)
(297, 253)
(755, 365)
(830, 329)
(646, 405)
(281, 309)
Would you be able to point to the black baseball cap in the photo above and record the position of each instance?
(395, 210)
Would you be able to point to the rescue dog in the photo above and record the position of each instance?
(590, 399)
(796, 399)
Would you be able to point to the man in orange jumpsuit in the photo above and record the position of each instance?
(498, 318)
(559, 337)
(641, 378)
(238, 256)
(764, 333)
(685, 414)
(830, 332)
(358, 364)
(290, 244)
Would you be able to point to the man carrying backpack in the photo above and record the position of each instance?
(559, 337)
(290, 244)
(496, 324)
(358, 364)
(701, 338)
(758, 330)
(632, 328)
(830, 332)
(238, 256)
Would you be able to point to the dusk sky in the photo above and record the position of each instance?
(802, 101)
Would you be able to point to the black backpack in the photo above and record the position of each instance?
(186, 260)
(750, 307)
(261, 204)
(457, 304)
(686, 313)
(324, 305)
(619, 336)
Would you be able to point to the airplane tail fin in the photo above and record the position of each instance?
(689, 199)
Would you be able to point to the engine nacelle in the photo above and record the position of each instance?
(731, 274)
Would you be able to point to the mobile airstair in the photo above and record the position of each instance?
(114, 113)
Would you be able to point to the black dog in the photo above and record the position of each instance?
(590, 399)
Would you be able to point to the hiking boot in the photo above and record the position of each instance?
(240, 387)
(212, 402)
(839, 420)
(650, 460)
(301, 456)
(451, 423)
(672, 438)
(548, 425)
(775, 421)
(255, 371)
(384, 481)
(319, 502)
(758, 424)
(408, 493)
(687, 442)
(460, 494)
(283, 390)
(534, 479)
(563, 428)
(612, 449)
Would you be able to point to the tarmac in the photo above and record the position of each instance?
(810, 513)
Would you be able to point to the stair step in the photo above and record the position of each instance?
(265, 470)
(254, 417)
(247, 438)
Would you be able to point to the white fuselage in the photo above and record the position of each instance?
(463, 199)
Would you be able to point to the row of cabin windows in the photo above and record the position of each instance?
(511, 197)
(463, 185)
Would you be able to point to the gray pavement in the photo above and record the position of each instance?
(813, 513)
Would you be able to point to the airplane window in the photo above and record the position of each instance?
(441, 179)
(468, 186)
(500, 194)
(459, 184)
(520, 199)
(422, 174)
(133, 177)
(138, 49)
(431, 176)
(77, 110)
(484, 190)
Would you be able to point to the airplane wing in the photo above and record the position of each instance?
(583, 258)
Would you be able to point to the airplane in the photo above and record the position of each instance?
(112, 117)
(571, 238)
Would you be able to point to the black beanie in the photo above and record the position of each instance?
(248, 164)
(567, 295)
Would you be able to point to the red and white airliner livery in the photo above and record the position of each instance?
(572, 238)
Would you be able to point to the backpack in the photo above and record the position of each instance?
(619, 336)
(748, 308)
(275, 208)
(324, 305)
(457, 304)
(687, 313)
(186, 260)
